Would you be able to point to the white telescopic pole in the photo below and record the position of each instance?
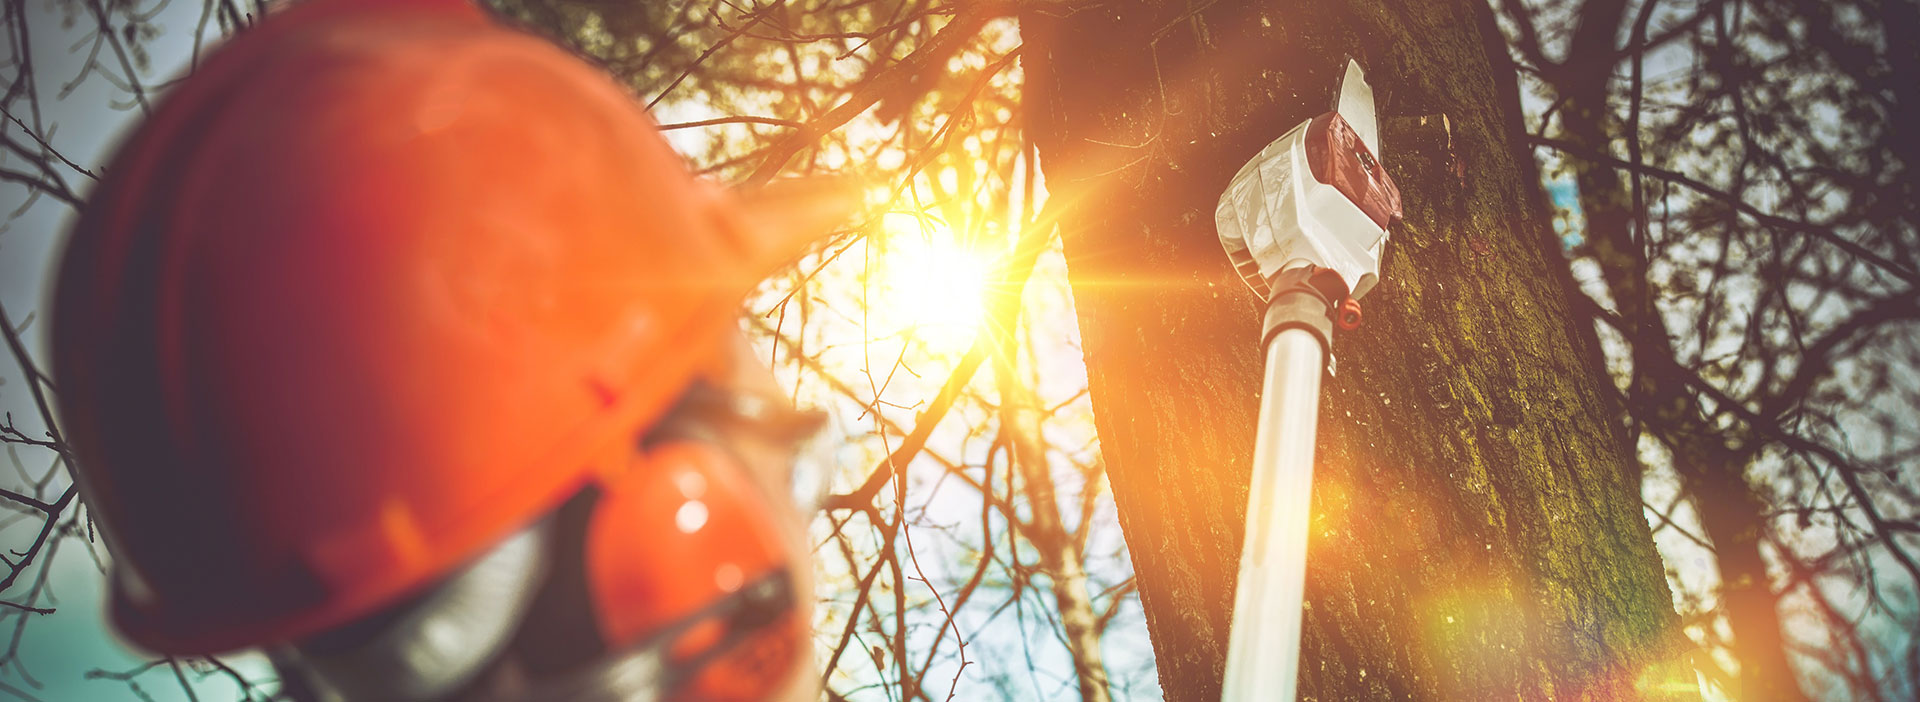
(1263, 656)
(1308, 240)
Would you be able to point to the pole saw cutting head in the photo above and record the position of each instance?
(1318, 197)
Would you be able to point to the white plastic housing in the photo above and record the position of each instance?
(1275, 215)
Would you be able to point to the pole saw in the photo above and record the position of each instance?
(1304, 223)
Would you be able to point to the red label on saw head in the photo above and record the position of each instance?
(1338, 158)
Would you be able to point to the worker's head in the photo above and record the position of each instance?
(399, 342)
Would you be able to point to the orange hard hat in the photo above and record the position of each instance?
(380, 284)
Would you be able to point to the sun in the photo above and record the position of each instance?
(932, 285)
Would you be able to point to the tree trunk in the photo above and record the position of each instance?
(1477, 528)
(1060, 555)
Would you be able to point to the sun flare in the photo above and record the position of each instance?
(931, 284)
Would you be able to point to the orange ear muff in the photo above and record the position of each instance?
(684, 552)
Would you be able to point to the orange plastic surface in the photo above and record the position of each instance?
(376, 287)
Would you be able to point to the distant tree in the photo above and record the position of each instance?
(1748, 229)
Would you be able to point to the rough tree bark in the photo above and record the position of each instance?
(1477, 524)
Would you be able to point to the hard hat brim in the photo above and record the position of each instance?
(787, 218)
